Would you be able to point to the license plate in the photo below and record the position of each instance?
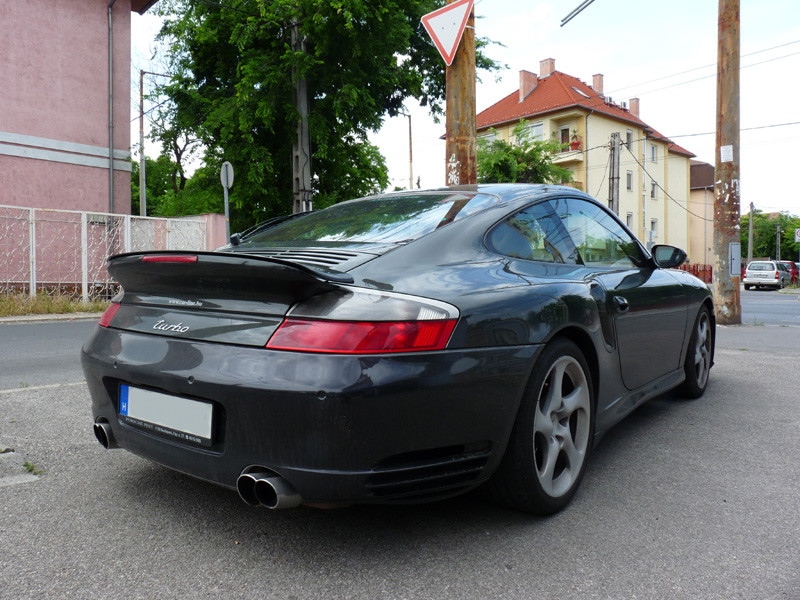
(178, 418)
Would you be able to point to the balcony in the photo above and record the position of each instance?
(572, 152)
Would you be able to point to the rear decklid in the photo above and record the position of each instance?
(212, 296)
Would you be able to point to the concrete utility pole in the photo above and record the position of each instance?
(461, 122)
(750, 235)
(301, 148)
(727, 247)
(613, 175)
(410, 156)
(778, 243)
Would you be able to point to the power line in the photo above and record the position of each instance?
(666, 87)
(666, 193)
(703, 67)
(605, 171)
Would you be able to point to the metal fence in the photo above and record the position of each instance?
(64, 252)
(704, 272)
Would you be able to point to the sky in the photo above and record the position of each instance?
(661, 52)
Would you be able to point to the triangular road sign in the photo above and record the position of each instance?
(446, 26)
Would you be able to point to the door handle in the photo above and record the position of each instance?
(622, 304)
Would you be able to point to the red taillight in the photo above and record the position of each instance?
(175, 258)
(777, 275)
(105, 320)
(347, 337)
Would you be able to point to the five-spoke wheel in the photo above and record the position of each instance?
(699, 356)
(552, 436)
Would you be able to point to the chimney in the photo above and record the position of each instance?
(597, 83)
(635, 107)
(547, 66)
(527, 83)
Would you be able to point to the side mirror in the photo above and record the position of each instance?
(667, 257)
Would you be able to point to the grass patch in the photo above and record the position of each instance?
(31, 468)
(12, 305)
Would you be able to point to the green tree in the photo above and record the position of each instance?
(232, 89)
(765, 230)
(160, 176)
(524, 161)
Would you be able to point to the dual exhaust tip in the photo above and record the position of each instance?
(263, 488)
(257, 486)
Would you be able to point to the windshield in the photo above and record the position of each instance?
(380, 220)
(761, 266)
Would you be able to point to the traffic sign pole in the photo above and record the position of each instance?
(226, 177)
(452, 29)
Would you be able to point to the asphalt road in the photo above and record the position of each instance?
(42, 353)
(769, 307)
(694, 500)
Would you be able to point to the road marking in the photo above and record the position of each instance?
(15, 479)
(32, 388)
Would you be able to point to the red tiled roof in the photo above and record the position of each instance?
(556, 92)
(671, 146)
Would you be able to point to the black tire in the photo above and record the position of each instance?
(552, 436)
(699, 356)
(747, 286)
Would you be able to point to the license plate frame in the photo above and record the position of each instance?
(177, 418)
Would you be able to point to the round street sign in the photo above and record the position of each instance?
(797, 235)
(226, 175)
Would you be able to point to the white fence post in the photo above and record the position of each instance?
(84, 257)
(127, 233)
(32, 255)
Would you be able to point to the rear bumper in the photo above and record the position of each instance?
(761, 282)
(391, 428)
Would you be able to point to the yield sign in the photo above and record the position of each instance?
(446, 26)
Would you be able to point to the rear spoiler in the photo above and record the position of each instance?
(323, 274)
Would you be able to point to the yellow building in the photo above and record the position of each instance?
(653, 170)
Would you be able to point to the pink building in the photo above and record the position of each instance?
(59, 117)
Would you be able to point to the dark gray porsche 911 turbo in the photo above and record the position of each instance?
(398, 348)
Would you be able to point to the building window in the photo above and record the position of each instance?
(564, 136)
(629, 180)
(653, 187)
(535, 131)
(653, 153)
(629, 220)
(654, 228)
(489, 136)
(628, 139)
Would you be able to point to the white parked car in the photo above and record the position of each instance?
(766, 273)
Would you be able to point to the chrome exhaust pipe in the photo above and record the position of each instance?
(259, 488)
(104, 435)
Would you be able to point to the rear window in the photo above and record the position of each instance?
(761, 266)
(381, 220)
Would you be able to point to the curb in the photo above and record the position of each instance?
(76, 316)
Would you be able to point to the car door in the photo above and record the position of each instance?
(647, 303)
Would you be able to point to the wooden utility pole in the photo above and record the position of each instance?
(461, 123)
(727, 246)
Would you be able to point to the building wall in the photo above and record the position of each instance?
(590, 168)
(54, 133)
(679, 207)
(701, 231)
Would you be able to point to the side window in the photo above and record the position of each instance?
(535, 233)
(599, 238)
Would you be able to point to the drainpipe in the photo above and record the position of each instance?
(110, 109)
(586, 150)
